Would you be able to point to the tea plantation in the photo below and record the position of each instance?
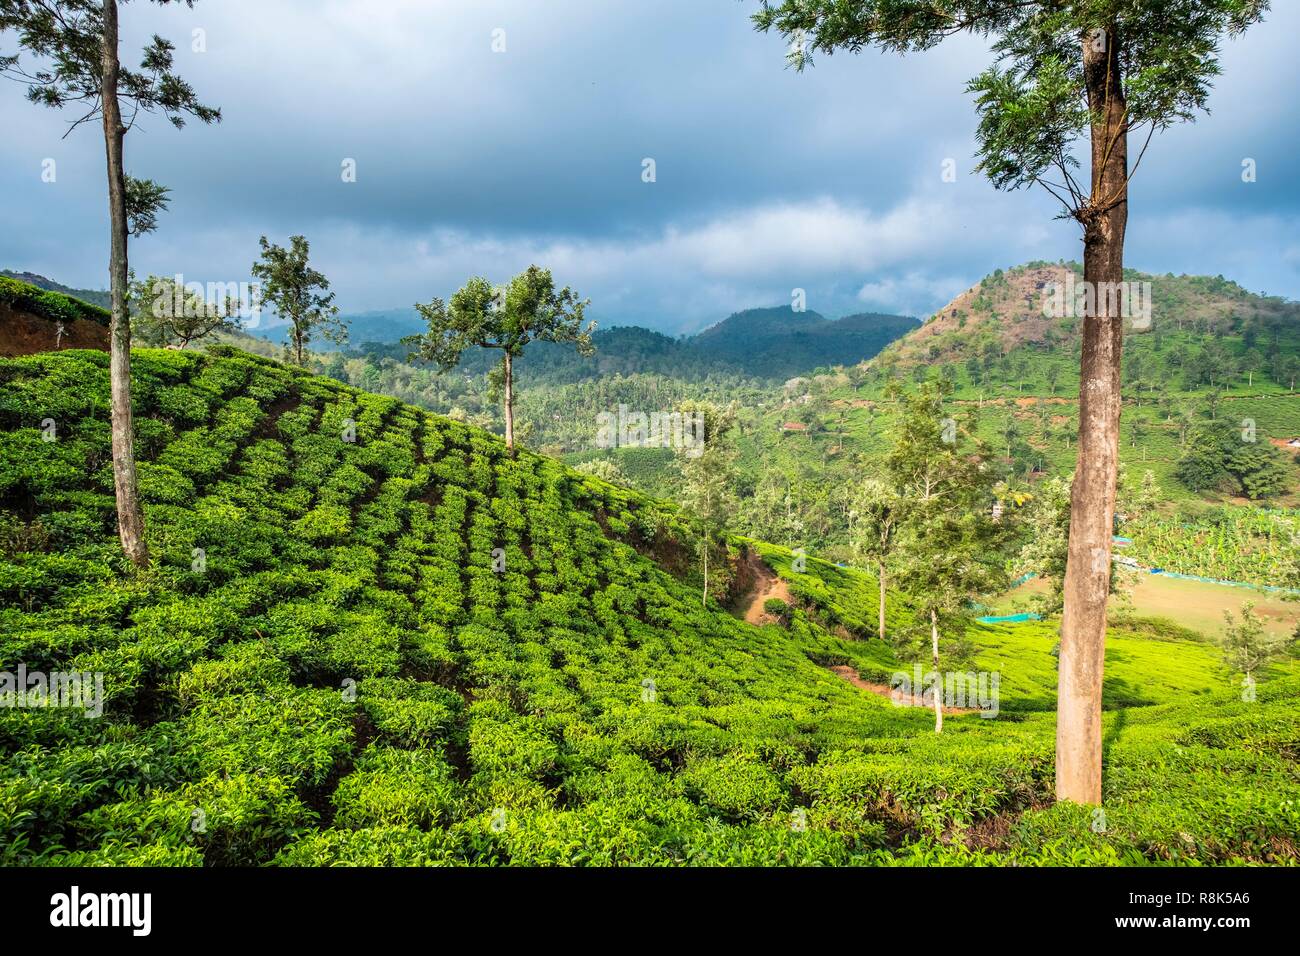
(371, 638)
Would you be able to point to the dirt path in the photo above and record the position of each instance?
(850, 674)
(767, 584)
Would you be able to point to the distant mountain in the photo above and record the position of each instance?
(760, 343)
(780, 342)
(93, 296)
(386, 325)
(771, 343)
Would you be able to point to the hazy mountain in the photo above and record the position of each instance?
(762, 343)
(779, 342)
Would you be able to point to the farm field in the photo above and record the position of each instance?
(1197, 605)
(328, 666)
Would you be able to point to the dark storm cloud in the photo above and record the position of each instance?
(476, 161)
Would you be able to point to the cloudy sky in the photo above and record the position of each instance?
(472, 159)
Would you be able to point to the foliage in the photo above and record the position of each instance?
(299, 294)
(527, 309)
(54, 306)
(1033, 101)
(949, 541)
(1219, 457)
(382, 696)
(145, 199)
(65, 43)
(1246, 645)
(166, 313)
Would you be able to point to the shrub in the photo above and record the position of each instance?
(373, 846)
(739, 786)
(54, 306)
(239, 820)
(300, 735)
(388, 787)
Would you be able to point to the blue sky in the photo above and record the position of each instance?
(472, 161)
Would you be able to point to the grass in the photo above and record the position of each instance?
(1196, 605)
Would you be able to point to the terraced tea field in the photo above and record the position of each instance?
(372, 637)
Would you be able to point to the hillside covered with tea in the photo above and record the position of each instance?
(371, 636)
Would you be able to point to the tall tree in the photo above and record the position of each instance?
(528, 309)
(949, 542)
(299, 294)
(1065, 70)
(74, 44)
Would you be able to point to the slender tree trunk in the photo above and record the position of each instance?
(510, 402)
(882, 600)
(297, 345)
(130, 517)
(938, 687)
(1092, 500)
(705, 599)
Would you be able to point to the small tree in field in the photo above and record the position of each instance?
(299, 294)
(528, 309)
(1247, 647)
(1047, 545)
(75, 46)
(1069, 74)
(878, 512)
(706, 494)
(165, 313)
(949, 542)
(1046, 549)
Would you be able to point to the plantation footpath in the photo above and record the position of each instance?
(370, 636)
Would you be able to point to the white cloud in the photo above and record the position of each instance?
(914, 293)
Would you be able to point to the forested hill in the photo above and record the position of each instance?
(780, 342)
(1201, 330)
(771, 344)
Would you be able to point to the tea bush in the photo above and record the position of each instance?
(414, 649)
